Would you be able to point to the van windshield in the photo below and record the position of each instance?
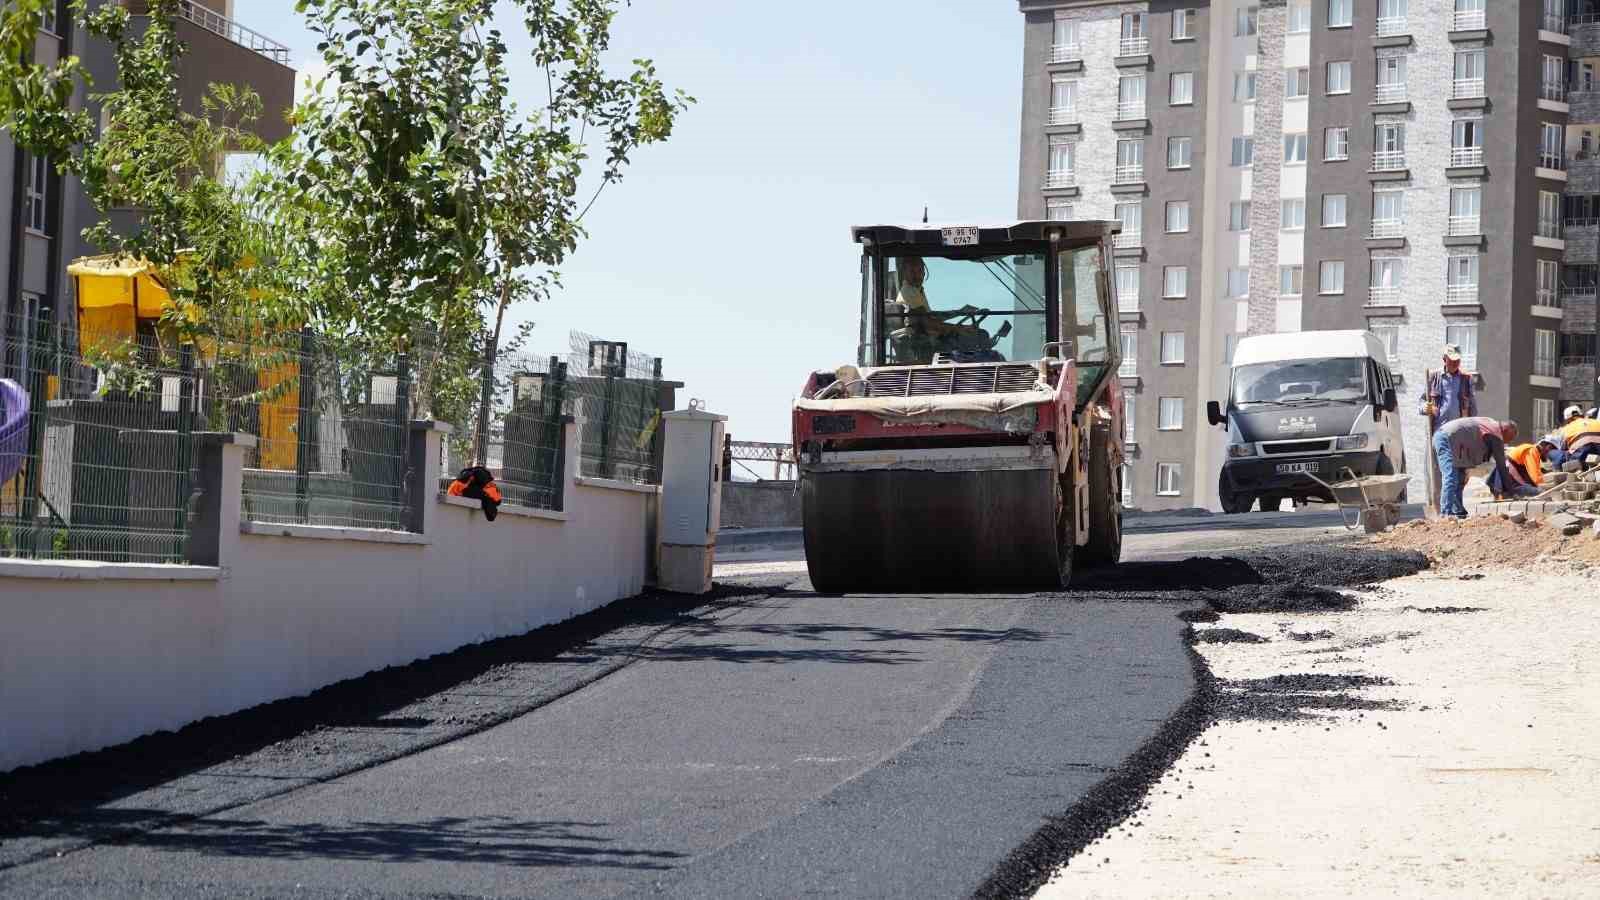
(1300, 380)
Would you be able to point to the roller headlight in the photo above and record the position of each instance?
(1240, 451)
(1350, 442)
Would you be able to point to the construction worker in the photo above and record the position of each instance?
(1464, 444)
(1448, 395)
(1571, 413)
(1579, 439)
(1524, 471)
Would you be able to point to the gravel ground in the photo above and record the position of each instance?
(1440, 739)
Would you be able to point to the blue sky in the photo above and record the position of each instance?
(727, 250)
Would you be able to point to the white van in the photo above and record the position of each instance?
(1306, 403)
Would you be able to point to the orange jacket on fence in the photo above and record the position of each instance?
(1526, 458)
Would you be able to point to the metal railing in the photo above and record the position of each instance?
(617, 399)
(1388, 160)
(223, 26)
(1060, 179)
(1387, 228)
(1389, 26)
(1577, 361)
(1128, 174)
(1389, 92)
(1133, 46)
(1062, 115)
(1466, 89)
(1554, 23)
(1466, 156)
(1575, 290)
(1554, 161)
(519, 421)
(1546, 367)
(1130, 109)
(1127, 302)
(1553, 90)
(1128, 368)
(1467, 20)
(1548, 228)
(1573, 222)
(1061, 53)
(1128, 239)
(1383, 296)
(1461, 226)
(1548, 298)
(1461, 293)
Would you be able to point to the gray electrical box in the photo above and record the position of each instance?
(691, 499)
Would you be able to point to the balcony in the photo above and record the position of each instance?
(1387, 295)
(1128, 240)
(1553, 23)
(1129, 368)
(1130, 110)
(1461, 294)
(1547, 298)
(1466, 156)
(223, 27)
(1554, 161)
(1388, 160)
(1466, 89)
(1582, 240)
(1062, 115)
(1468, 20)
(1583, 173)
(1387, 228)
(1131, 174)
(1389, 92)
(1065, 53)
(1060, 179)
(1133, 46)
(1393, 26)
(1577, 310)
(1585, 33)
(1553, 90)
(1464, 226)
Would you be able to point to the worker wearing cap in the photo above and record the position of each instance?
(1464, 444)
(1449, 393)
(1580, 440)
(1570, 413)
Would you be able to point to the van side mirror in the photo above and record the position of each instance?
(1214, 413)
(1391, 403)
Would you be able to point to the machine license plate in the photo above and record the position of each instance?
(965, 236)
(1292, 468)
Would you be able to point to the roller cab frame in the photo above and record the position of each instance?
(975, 444)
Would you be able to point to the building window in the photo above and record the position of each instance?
(1130, 97)
(1337, 78)
(1237, 285)
(1127, 485)
(1552, 150)
(1291, 280)
(1389, 147)
(1388, 279)
(1128, 410)
(1549, 214)
(1465, 337)
(1466, 207)
(1336, 143)
(1244, 87)
(1183, 24)
(1296, 83)
(1553, 83)
(1300, 16)
(1244, 20)
(1544, 352)
(1180, 152)
(1130, 162)
(1339, 13)
(1390, 80)
(1171, 348)
(1128, 287)
(1461, 279)
(1466, 142)
(1294, 149)
(1239, 215)
(1128, 347)
(1063, 101)
(1131, 217)
(1330, 276)
(1170, 417)
(1544, 415)
(1175, 282)
(1389, 336)
(1333, 210)
(37, 194)
(1057, 210)
(1294, 214)
(1469, 72)
(1391, 17)
(1388, 213)
(1169, 479)
(1180, 88)
(1177, 216)
(1547, 278)
(1244, 151)
(1059, 173)
(1135, 34)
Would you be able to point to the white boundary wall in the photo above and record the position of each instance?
(95, 654)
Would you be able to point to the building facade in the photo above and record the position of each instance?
(1416, 167)
(45, 212)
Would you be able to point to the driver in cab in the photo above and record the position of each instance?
(920, 317)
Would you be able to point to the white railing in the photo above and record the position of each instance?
(1063, 115)
(1388, 160)
(1469, 20)
(1552, 161)
(1466, 156)
(1383, 296)
(1060, 179)
(1128, 174)
(1555, 23)
(1466, 89)
(1389, 92)
(222, 25)
(1133, 46)
(1461, 293)
(1130, 109)
(1553, 90)
(1126, 303)
(1128, 369)
(1547, 297)
(1388, 228)
(1545, 367)
(1389, 26)
(1129, 239)
(1464, 225)
(1061, 53)
(1549, 229)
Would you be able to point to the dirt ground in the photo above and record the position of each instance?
(1442, 738)
(1486, 542)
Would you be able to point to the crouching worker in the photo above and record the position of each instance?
(476, 482)
(1464, 444)
(1580, 440)
(1524, 472)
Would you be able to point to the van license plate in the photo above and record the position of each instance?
(959, 237)
(1293, 468)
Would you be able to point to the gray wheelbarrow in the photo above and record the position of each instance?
(1374, 499)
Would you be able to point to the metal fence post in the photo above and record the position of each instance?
(485, 406)
(402, 426)
(305, 426)
(34, 336)
(186, 478)
(558, 431)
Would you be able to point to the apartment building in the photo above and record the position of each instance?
(48, 212)
(1427, 169)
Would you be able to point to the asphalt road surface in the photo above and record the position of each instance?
(885, 746)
